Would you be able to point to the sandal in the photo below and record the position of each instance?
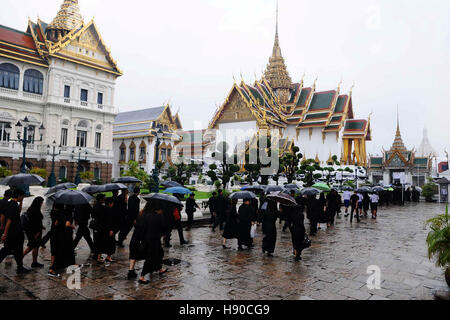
(162, 272)
(143, 281)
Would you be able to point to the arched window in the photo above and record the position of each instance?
(97, 173)
(123, 153)
(33, 81)
(62, 172)
(9, 76)
(132, 152)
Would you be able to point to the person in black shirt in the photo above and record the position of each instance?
(332, 207)
(190, 209)
(354, 205)
(82, 216)
(153, 230)
(131, 214)
(136, 244)
(298, 229)
(105, 230)
(212, 207)
(313, 211)
(231, 223)
(53, 236)
(33, 230)
(13, 235)
(3, 206)
(221, 209)
(269, 218)
(119, 212)
(244, 225)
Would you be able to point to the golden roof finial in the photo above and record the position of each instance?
(315, 83)
(351, 89)
(68, 17)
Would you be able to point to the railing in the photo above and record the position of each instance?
(9, 91)
(67, 100)
(32, 95)
(100, 106)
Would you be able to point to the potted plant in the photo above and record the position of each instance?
(438, 242)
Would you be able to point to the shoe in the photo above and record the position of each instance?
(162, 272)
(37, 265)
(22, 270)
(269, 254)
(346, 215)
(43, 247)
(143, 281)
(225, 247)
(110, 260)
(120, 245)
(132, 275)
(167, 246)
(53, 274)
(298, 258)
(184, 242)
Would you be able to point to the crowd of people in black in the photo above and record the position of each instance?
(112, 219)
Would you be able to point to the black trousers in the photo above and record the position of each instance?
(14, 247)
(219, 220)
(312, 226)
(83, 232)
(125, 230)
(190, 219)
(177, 225)
(46, 238)
(357, 213)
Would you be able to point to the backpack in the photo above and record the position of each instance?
(25, 221)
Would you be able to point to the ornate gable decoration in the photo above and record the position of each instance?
(85, 44)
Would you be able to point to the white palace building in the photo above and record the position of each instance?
(61, 75)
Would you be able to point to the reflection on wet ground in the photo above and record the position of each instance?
(335, 267)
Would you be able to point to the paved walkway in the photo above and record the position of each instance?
(333, 268)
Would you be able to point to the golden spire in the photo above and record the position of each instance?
(398, 141)
(68, 17)
(276, 72)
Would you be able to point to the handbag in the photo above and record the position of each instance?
(253, 231)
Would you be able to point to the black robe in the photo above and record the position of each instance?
(103, 242)
(137, 239)
(297, 228)
(244, 225)
(63, 239)
(153, 230)
(231, 225)
(269, 229)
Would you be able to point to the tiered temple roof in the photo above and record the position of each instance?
(41, 41)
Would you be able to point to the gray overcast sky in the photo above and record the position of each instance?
(396, 52)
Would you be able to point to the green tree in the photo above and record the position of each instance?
(307, 168)
(254, 170)
(429, 190)
(289, 163)
(134, 170)
(182, 172)
(4, 172)
(227, 164)
(40, 172)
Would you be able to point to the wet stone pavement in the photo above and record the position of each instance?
(335, 267)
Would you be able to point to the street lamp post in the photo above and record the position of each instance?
(77, 177)
(159, 135)
(24, 126)
(54, 153)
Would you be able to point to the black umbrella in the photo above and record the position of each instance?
(93, 189)
(243, 195)
(309, 191)
(363, 189)
(170, 184)
(289, 190)
(71, 197)
(282, 198)
(62, 186)
(291, 186)
(273, 189)
(255, 188)
(112, 187)
(22, 179)
(162, 197)
(377, 189)
(127, 180)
